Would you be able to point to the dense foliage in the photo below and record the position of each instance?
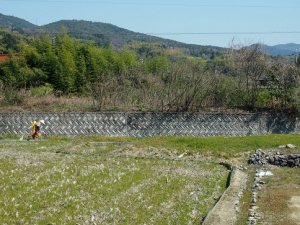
(145, 76)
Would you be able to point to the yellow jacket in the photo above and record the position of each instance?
(33, 124)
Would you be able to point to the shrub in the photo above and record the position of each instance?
(12, 97)
(45, 90)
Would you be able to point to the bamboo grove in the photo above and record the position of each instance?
(154, 79)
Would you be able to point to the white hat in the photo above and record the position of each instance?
(42, 121)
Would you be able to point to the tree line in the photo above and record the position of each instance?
(147, 77)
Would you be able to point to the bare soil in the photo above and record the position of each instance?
(295, 209)
(279, 199)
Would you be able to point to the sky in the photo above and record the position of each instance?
(202, 22)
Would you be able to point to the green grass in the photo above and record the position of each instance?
(230, 146)
(10, 136)
(214, 145)
(196, 144)
(70, 181)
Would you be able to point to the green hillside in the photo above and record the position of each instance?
(14, 23)
(103, 34)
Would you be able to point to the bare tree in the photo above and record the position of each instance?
(249, 66)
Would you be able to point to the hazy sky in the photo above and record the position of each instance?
(203, 22)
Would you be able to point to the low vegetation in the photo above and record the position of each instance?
(276, 199)
(158, 180)
(144, 76)
(76, 182)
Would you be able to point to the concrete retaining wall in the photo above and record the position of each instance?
(150, 124)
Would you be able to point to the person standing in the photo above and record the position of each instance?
(36, 126)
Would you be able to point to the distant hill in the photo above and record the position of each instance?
(104, 33)
(13, 23)
(283, 49)
(101, 33)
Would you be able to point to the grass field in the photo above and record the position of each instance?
(75, 182)
(158, 180)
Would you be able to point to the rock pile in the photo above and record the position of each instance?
(272, 157)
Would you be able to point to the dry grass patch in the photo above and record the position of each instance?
(46, 103)
(274, 202)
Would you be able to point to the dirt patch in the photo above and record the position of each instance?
(295, 208)
(278, 201)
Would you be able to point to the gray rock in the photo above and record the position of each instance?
(291, 163)
(292, 157)
(258, 151)
(283, 157)
(250, 218)
(251, 214)
(259, 188)
(291, 146)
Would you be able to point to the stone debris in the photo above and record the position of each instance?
(291, 146)
(271, 157)
(242, 168)
(254, 216)
(287, 146)
(240, 192)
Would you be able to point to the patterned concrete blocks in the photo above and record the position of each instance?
(150, 124)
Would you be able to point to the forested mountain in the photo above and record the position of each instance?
(15, 23)
(103, 34)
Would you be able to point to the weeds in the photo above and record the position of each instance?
(274, 203)
(72, 180)
(40, 186)
(224, 147)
